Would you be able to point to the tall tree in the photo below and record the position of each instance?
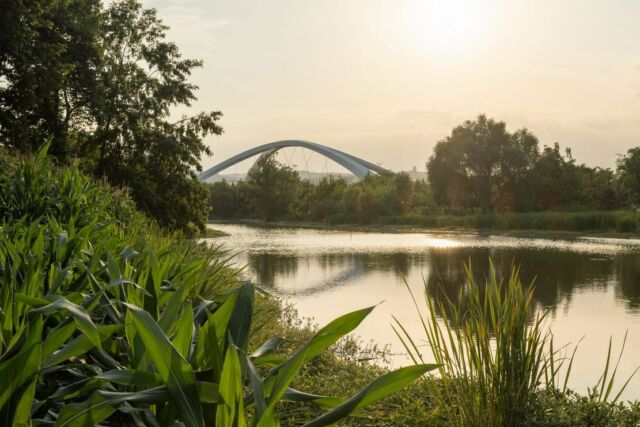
(136, 143)
(479, 164)
(48, 57)
(628, 171)
(555, 183)
(273, 188)
(101, 82)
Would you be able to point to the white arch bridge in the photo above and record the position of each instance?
(359, 167)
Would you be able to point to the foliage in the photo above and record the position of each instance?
(494, 353)
(99, 323)
(491, 357)
(482, 176)
(100, 81)
(629, 176)
(481, 164)
(273, 191)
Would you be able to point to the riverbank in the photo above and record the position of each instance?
(408, 228)
(114, 319)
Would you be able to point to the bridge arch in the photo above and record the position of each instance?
(359, 167)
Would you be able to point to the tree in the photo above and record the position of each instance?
(598, 188)
(273, 188)
(480, 164)
(101, 82)
(49, 53)
(628, 171)
(555, 183)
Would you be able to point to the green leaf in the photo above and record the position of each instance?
(381, 387)
(292, 395)
(102, 404)
(335, 330)
(175, 371)
(184, 332)
(18, 372)
(231, 412)
(79, 345)
(80, 315)
(241, 317)
(267, 348)
(132, 377)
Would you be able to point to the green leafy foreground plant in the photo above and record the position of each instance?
(99, 326)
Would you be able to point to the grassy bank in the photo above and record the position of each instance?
(622, 224)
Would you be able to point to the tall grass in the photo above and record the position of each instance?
(596, 221)
(494, 353)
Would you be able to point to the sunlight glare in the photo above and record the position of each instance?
(448, 26)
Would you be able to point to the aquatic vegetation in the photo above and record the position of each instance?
(494, 353)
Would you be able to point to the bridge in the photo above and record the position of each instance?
(359, 167)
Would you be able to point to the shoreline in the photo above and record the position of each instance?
(399, 228)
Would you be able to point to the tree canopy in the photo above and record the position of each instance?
(101, 82)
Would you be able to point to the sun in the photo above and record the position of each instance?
(448, 25)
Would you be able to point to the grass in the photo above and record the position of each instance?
(619, 221)
(210, 233)
(495, 355)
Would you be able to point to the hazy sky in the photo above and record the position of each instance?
(385, 80)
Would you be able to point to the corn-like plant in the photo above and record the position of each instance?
(106, 320)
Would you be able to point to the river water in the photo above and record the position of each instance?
(590, 286)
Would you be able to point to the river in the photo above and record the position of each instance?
(590, 286)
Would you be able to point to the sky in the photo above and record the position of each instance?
(387, 79)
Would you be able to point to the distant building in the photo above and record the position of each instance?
(417, 175)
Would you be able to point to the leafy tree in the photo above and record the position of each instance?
(49, 54)
(628, 171)
(273, 188)
(555, 182)
(101, 83)
(598, 188)
(480, 163)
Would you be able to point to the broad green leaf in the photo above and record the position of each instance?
(335, 330)
(292, 395)
(267, 348)
(208, 354)
(18, 372)
(184, 332)
(209, 392)
(56, 338)
(132, 377)
(241, 317)
(175, 371)
(257, 387)
(231, 412)
(79, 345)
(80, 315)
(381, 387)
(102, 404)
(279, 385)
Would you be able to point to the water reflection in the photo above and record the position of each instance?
(590, 286)
(557, 275)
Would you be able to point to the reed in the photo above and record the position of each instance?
(494, 353)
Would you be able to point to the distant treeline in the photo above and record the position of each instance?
(477, 173)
